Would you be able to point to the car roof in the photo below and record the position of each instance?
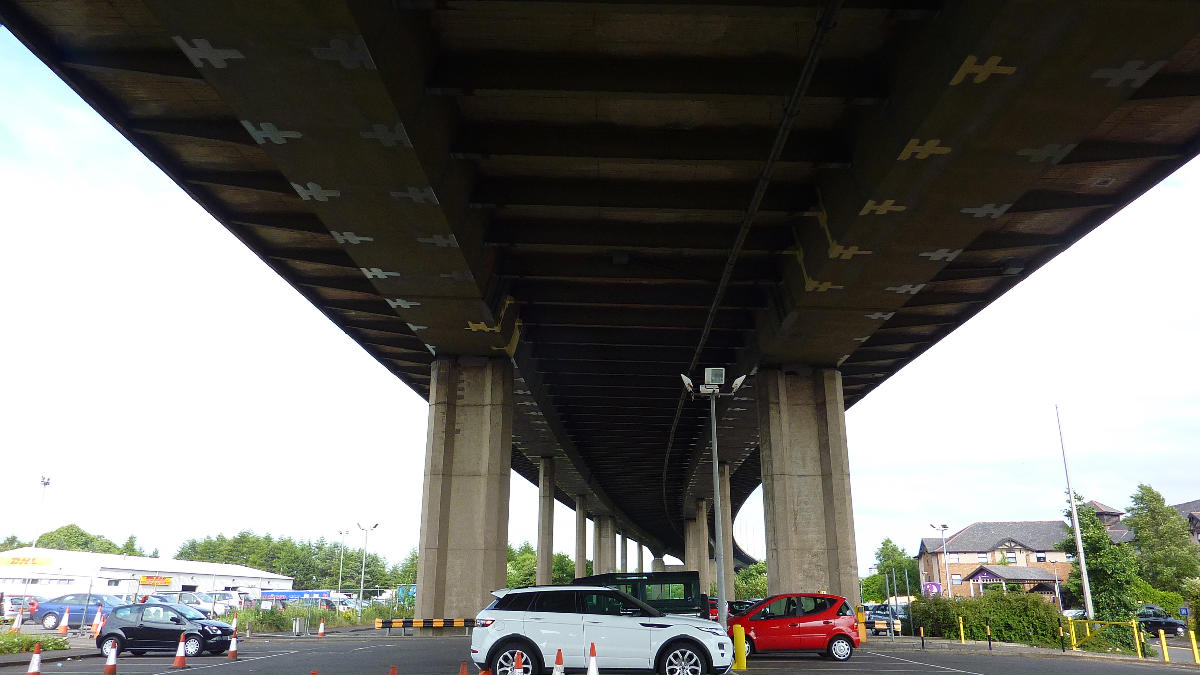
(562, 587)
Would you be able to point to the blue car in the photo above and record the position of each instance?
(51, 612)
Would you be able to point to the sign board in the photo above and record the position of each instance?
(150, 580)
(932, 588)
(25, 560)
(1183, 611)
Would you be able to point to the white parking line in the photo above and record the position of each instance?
(229, 663)
(931, 665)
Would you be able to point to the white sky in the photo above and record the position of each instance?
(144, 346)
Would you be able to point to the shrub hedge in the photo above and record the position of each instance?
(19, 643)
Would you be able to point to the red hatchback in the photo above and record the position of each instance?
(809, 622)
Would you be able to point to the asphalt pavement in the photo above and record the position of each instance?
(374, 653)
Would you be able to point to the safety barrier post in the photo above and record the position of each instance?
(739, 647)
(923, 640)
(860, 614)
(1162, 640)
(1137, 639)
(1061, 642)
(1074, 640)
(1087, 628)
(1195, 653)
(962, 636)
(987, 624)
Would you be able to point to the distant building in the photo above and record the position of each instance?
(974, 550)
(1191, 513)
(51, 573)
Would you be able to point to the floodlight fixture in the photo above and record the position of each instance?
(737, 384)
(714, 376)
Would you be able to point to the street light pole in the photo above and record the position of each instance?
(945, 557)
(1083, 574)
(713, 379)
(363, 574)
(341, 557)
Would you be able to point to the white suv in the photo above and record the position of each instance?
(538, 621)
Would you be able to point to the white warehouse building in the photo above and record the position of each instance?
(51, 573)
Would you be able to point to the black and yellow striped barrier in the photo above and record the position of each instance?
(424, 623)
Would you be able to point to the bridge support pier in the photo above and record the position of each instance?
(640, 558)
(657, 564)
(806, 482)
(604, 545)
(464, 504)
(695, 544)
(624, 553)
(545, 544)
(580, 536)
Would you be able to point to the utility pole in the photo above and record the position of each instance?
(341, 557)
(1083, 574)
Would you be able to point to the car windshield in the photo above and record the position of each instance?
(204, 597)
(188, 612)
(650, 611)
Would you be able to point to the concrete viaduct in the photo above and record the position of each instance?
(538, 213)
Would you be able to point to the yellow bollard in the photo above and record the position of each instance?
(1195, 653)
(1137, 638)
(1074, 640)
(962, 636)
(739, 647)
(1162, 640)
(860, 614)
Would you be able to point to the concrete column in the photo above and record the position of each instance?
(723, 472)
(624, 553)
(604, 545)
(545, 545)
(464, 503)
(641, 553)
(695, 537)
(580, 537)
(806, 483)
(657, 564)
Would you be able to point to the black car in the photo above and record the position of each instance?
(140, 628)
(1153, 618)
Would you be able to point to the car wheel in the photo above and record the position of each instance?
(840, 649)
(50, 621)
(138, 652)
(193, 645)
(682, 659)
(749, 648)
(506, 657)
(110, 645)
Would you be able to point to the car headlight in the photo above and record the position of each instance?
(715, 630)
(213, 629)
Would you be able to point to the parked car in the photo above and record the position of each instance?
(886, 614)
(50, 612)
(536, 622)
(1075, 613)
(25, 603)
(1153, 618)
(140, 628)
(740, 606)
(800, 622)
(202, 602)
(234, 600)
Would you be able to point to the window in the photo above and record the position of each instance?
(1070, 557)
(956, 579)
(126, 613)
(845, 610)
(663, 592)
(562, 602)
(810, 606)
(982, 557)
(780, 607)
(1011, 557)
(1041, 556)
(514, 602)
(952, 557)
(598, 602)
(156, 614)
(117, 582)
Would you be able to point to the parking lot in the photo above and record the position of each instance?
(372, 654)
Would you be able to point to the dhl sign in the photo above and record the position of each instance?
(25, 560)
(154, 581)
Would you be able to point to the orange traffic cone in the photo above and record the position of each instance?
(97, 621)
(110, 666)
(592, 661)
(66, 617)
(462, 668)
(180, 660)
(558, 664)
(393, 671)
(235, 623)
(518, 666)
(233, 646)
(321, 629)
(35, 663)
(16, 627)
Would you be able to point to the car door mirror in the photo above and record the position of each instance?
(176, 619)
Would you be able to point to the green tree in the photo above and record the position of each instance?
(1167, 553)
(130, 547)
(406, 572)
(522, 566)
(10, 542)
(74, 538)
(1112, 568)
(750, 582)
(563, 569)
(889, 557)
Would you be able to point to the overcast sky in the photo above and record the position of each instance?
(144, 347)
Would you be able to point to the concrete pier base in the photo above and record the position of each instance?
(695, 543)
(604, 545)
(464, 503)
(806, 483)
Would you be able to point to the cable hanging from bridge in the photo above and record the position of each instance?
(825, 23)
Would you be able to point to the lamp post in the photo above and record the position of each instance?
(945, 558)
(363, 574)
(45, 481)
(713, 379)
(341, 557)
(1083, 574)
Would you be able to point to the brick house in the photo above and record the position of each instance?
(1191, 513)
(1026, 544)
